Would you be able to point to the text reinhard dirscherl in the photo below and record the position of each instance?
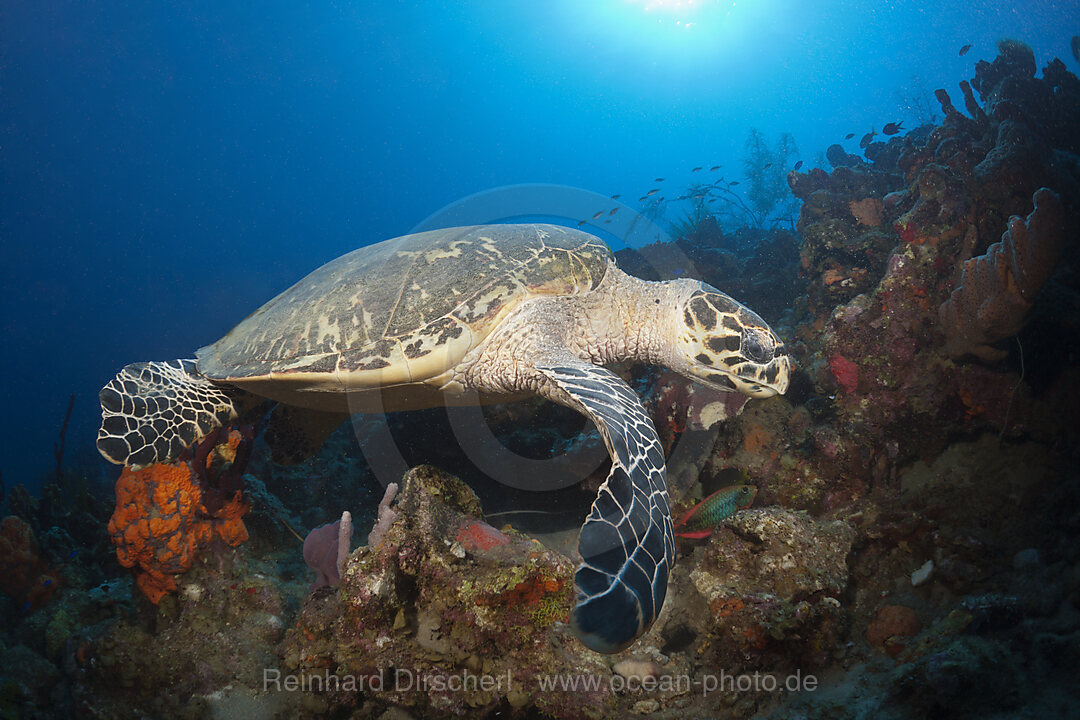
(405, 680)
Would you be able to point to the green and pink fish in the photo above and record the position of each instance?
(700, 521)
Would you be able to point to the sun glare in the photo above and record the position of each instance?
(673, 35)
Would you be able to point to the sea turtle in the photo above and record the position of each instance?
(469, 315)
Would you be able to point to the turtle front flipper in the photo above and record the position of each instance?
(627, 545)
(152, 411)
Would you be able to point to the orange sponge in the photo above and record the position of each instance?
(160, 523)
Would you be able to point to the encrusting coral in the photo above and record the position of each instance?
(161, 522)
(998, 289)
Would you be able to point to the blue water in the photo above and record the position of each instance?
(165, 169)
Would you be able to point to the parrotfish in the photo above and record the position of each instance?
(700, 521)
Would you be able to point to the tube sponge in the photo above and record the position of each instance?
(998, 289)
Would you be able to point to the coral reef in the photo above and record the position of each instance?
(199, 653)
(772, 580)
(24, 576)
(446, 595)
(912, 549)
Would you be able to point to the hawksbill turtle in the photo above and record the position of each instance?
(470, 315)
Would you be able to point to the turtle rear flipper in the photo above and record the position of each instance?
(295, 434)
(627, 545)
(152, 411)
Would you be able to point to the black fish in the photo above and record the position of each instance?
(1075, 45)
(659, 180)
(892, 128)
(849, 136)
(652, 192)
(797, 165)
(643, 197)
(963, 50)
(613, 211)
(697, 169)
(581, 222)
(616, 197)
(868, 138)
(733, 182)
(714, 168)
(767, 166)
(598, 214)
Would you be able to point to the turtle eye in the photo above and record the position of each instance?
(756, 346)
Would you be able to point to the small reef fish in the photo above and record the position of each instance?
(767, 166)
(701, 520)
(613, 211)
(652, 192)
(964, 50)
(697, 169)
(892, 128)
(658, 180)
(616, 197)
(643, 197)
(598, 214)
(714, 168)
(581, 222)
(797, 165)
(733, 182)
(868, 138)
(849, 136)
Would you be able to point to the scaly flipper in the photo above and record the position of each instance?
(627, 544)
(152, 411)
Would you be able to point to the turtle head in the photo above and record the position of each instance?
(724, 345)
